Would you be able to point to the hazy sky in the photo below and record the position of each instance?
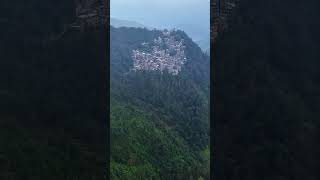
(164, 13)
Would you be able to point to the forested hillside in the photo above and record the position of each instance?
(52, 116)
(159, 119)
(266, 94)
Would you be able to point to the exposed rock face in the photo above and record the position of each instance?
(221, 15)
(164, 53)
(90, 13)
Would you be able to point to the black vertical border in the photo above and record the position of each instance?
(107, 27)
(106, 66)
(210, 87)
(215, 56)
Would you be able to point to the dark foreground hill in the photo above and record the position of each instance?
(159, 120)
(52, 112)
(267, 93)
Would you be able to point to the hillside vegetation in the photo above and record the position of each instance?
(159, 121)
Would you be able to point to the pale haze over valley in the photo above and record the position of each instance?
(192, 16)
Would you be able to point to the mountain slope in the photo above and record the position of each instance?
(161, 105)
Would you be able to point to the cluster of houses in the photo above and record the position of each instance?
(166, 54)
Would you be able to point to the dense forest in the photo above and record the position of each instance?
(266, 92)
(52, 114)
(159, 121)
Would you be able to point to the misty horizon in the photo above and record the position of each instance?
(192, 16)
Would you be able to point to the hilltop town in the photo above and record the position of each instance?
(165, 53)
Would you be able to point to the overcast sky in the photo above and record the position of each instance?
(163, 13)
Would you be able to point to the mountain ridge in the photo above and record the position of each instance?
(115, 22)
